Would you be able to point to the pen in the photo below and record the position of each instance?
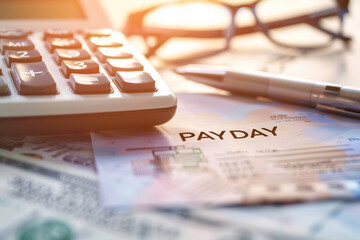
(323, 96)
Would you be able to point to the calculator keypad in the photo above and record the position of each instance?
(57, 33)
(84, 67)
(96, 42)
(64, 43)
(16, 44)
(89, 83)
(70, 54)
(117, 53)
(81, 70)
(135, 82)
(24, 56)
(13, 34)
(114, 65)
(33, 79)
(102, 32)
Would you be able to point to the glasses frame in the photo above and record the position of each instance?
(134, 26)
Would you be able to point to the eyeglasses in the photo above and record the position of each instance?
(299, 24)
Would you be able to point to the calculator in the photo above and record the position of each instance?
(65, 70)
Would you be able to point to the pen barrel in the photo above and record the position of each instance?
(323, 96)
(255, 84)
(291, 90)
(349, 93)
(270, 85)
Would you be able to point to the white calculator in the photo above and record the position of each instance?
(64, 70)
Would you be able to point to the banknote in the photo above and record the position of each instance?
(44, 200)
(72, 149)
(230, 150)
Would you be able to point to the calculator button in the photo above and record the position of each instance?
(16, 44)
(70, 54)
(89, 83)
(64, 43)
(33, 79)
(102, 32)
(104, 53)
(3, 87)
(83, 67)
(57, 33)
(13, 34)
(96, 42)
(135, 82)
(25, 56)
(114, 65)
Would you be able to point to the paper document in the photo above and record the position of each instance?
(230, 150)
(51, 201)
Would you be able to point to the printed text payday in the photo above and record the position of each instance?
(234, 134)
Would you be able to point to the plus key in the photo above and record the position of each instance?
(33, 79)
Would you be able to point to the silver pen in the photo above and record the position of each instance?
(323, 96)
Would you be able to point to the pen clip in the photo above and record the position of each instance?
(338, 105)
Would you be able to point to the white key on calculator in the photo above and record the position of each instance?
(61, 80)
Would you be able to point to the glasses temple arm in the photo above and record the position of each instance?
(334, 35)
(134, 21)
(160, 40)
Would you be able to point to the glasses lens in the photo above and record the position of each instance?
(299, 34)
(189, 16)
(174, 20)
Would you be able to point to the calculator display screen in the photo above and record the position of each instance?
(40, 9)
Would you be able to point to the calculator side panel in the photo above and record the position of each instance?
(40, 125)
